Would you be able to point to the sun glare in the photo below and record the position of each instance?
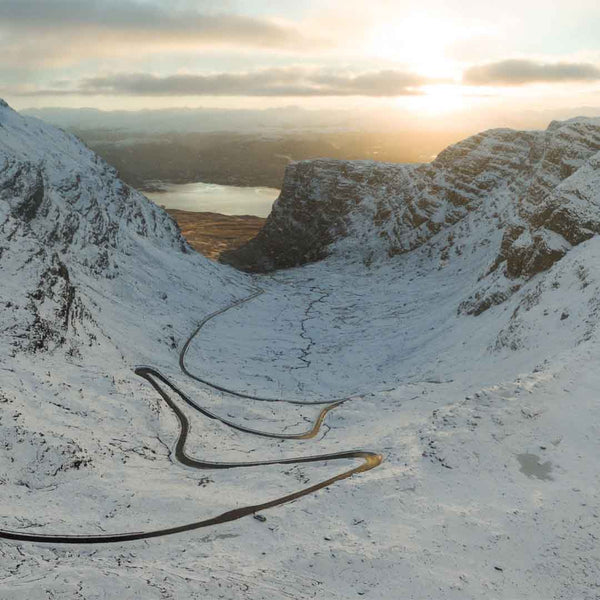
(436, 100)
(418, 42)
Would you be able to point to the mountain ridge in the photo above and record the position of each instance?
(65, 218)
(541, 184)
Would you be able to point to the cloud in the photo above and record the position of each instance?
(280, 82)
(57, 24)
(520, 72)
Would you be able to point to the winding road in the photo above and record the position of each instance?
(168, 390)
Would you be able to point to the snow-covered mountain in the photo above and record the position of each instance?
(532, 195)
(70, 226)
(456, 304)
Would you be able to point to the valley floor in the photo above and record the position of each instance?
(213, 233)
(488, 488)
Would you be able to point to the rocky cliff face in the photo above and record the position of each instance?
(540, 189)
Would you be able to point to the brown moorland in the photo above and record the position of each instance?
(212, 233)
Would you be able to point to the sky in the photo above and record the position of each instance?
(428, 58)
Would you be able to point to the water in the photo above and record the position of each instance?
(532, 466)
(209, 197)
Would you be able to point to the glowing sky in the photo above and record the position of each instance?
(429, 56)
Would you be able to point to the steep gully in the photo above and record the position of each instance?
(165, 387)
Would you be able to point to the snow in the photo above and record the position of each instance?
(457, 404)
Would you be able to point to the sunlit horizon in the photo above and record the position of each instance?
(436, 60)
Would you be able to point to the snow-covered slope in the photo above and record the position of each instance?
(471, 369)
(72, 232)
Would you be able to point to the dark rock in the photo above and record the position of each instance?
(28, 209)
